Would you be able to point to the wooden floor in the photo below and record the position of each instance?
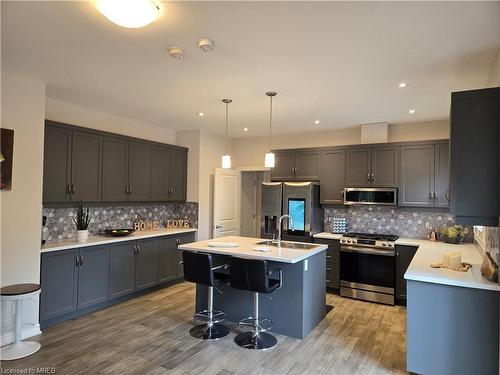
(149, 335)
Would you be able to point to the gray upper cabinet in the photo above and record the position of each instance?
(94, 166)
(93, 276)
(417, 175)
(139, 171)
(146, 267)
(177, 175)
(284, 165)
(160, 170)
(332, 176)
(385, 166)
(59, 280)
(86, 167)
(359, 166)
(442, 175)
(122, 269)
(115, 170)
(475, 156)
(57, 165)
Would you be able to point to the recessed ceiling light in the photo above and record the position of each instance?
(402, 85)
(131, 14)
(411, 111)
(245, 129)
(206, 44)
(201, 114)
(316, 122)
(176, 53)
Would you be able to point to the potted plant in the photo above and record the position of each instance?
(451, 234)
(82, 223)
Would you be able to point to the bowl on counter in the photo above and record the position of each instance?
(120, 232)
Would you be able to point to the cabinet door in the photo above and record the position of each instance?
(114, 169)
(385, 166)
(93, 276)
(59, 282)
(178, 175)
(284, 165)
(417, 176)
(121, 269)
(146, 269)
(139, 171)
(442, 175)
(183, 239)
(358, 167)
(332, 176)
(167, 259)
(307, 165)
(332, 262)
(404, 256)
(56, 164)
(160, 166)
(86, 167)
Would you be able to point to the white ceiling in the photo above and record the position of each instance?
(336, 62)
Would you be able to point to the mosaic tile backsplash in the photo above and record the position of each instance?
(60, 223)
(402, 221)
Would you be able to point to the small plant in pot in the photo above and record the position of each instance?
(452, 234)
(82, 223)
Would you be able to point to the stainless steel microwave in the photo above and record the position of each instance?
(381, 196)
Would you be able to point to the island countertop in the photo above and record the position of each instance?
(245, 249)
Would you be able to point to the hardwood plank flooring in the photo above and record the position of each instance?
(149, 335)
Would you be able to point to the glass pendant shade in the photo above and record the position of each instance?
(269, 160)
(128, 13)
(226, 161)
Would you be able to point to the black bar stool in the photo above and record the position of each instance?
(253, 275)
(199, 269)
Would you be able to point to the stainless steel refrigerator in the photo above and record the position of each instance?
(300, 200)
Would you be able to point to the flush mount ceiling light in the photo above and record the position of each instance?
(226, 158)
(245, 129)
(206, 44)
(316, 122)
(269, 157)
(128, 13)
(402, 85)
(411, 111)
(176, 53)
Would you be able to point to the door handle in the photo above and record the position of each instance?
(368, 176)
(68, 188)
(373, 176)
(447, 195)
(218, 226)
(81, 260)
(435, 195)
(73, 189)
(77, 260)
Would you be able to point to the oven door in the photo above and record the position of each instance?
(367, 269)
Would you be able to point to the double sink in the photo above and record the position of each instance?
(288, 245)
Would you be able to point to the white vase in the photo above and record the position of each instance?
(82, 235)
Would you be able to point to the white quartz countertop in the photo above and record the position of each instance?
(245, 249)
(328, 236)
(103, 239)
(431, 252)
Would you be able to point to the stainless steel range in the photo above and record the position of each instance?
(368, 267)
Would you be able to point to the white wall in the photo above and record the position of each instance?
(58, 110)
(250, 151)
(23, 110)
(494, 76)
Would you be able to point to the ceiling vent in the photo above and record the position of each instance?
(377, 132)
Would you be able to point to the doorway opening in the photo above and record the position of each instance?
(249, 212)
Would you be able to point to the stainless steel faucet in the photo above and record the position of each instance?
(279, 227)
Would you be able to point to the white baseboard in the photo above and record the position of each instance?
(28, 330)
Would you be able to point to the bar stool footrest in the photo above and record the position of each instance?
(262, 324)
(204, 317)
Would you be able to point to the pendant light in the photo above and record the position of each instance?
(269, 158)
(226, 158)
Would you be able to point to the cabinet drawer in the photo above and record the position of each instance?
(332, 256)
(333, 282)
(332, 270)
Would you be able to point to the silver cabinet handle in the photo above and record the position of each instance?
(435, 195)
(447, 195)
(81, 260)
(430, 195)
(368, 176)
(73, 189)
(373, 176)
(68, 189)
(77, 260)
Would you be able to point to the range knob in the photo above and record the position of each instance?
(354, 240)
(385, 243)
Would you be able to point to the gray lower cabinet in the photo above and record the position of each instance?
(404, 256)
(59, 281)
(168, 261)
(332, 262)
(180, 240)
(86, 167)
(57, 165)
(332, 177)
(122, 269)
(115, 171)
(146, 266)
(139, 171)
(93, 276)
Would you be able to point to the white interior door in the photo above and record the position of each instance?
(225, 203)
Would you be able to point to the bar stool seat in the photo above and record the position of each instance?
(253, 275)
(18, 293)
(199, 269)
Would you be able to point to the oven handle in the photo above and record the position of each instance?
(352, 249)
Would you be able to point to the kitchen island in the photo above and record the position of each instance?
(296, 308)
